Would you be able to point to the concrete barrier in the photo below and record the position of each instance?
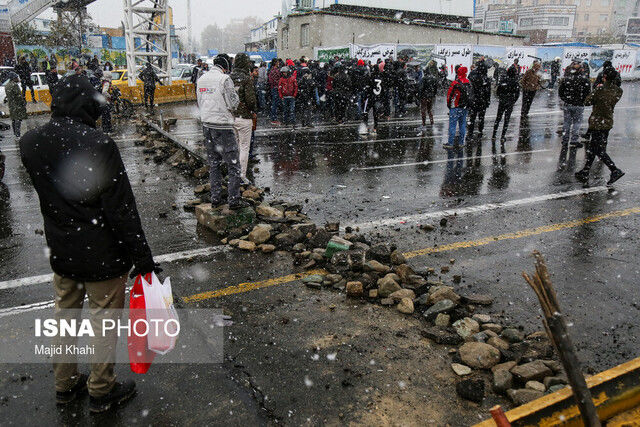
(177, 92)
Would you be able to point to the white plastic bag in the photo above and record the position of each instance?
(162, 317)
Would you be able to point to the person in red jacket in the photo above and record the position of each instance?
(458, 99)
(288, 90)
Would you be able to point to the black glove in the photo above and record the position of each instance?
(144, 268)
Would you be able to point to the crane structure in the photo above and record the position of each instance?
(148, 37)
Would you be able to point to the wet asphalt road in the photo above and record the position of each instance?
(386, 186)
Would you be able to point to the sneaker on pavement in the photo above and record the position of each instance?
(120, 393)
(78, 390)
(615, 175)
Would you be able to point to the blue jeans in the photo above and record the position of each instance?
(572, 122)
(275, 103)
(289, 105)
(457, 117)
(262, 96)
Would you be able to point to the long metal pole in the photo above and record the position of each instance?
(189, 34)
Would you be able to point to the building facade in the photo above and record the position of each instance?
(540, 24)
(263, 38)
(299, 33)
(594, 19)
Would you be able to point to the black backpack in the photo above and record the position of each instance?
(466, 94)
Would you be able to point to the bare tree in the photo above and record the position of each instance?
(231, 38)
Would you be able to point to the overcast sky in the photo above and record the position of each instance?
(109, 13)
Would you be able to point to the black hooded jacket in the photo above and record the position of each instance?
(90, 217)
(481, 84)
(574, 87)
(508, 90)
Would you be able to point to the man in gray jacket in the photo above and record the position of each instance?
(217, 99)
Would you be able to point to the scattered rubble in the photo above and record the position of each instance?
(483, 350)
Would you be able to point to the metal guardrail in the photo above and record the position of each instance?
(173, 139)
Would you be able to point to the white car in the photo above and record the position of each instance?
(38, 79)
(182, 72)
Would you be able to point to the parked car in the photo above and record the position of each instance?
(182, 73)
(38, 79)
(121, 78)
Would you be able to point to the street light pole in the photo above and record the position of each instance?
(189, 42)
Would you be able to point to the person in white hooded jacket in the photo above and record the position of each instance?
(217, 100)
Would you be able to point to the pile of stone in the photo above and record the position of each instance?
(486, 355)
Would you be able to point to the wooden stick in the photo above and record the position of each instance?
(556, 328)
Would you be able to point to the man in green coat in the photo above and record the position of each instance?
(604, 99)
(17, 103)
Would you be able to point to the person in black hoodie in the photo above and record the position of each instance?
(508, 92)
(341, 91)
(427, 92)
(481, 84)
(92, 229)
(573, 90)
(306, 95)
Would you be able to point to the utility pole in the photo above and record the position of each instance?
(189, 35)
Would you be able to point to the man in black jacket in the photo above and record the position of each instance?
(149, 79)
(481, 84)
(92, 229)
(574, 88)
(24, 71)
(508, 92)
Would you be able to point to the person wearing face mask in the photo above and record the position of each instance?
(92, 228)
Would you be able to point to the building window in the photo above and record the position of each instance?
(586, 16)
(559, 21)
(588, 2)
(304, 35)
(604, 18)
(491, 25)
(604, 2)
(526, 22)
(285, 38)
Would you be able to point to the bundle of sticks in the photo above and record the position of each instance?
(556, 328)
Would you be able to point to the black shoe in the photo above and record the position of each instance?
(238, 205)
(120, 393)
(78, 390)
(582, 176)
(615, 175)
(577, 144)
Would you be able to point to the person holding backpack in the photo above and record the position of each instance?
(459, 97)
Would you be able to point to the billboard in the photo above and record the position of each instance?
(450, 7)
(633, 27)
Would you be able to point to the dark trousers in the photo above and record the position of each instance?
(28, 84)
(369, 104)
(598, 147)
(222, 146)
(504, 109)
(478, 114)
(340, 107)
(426, 106)
(289, 105)
(527, 100)
(149, 94)
(106, 118)
(16, 127)
(306, 107)
(275, 103)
